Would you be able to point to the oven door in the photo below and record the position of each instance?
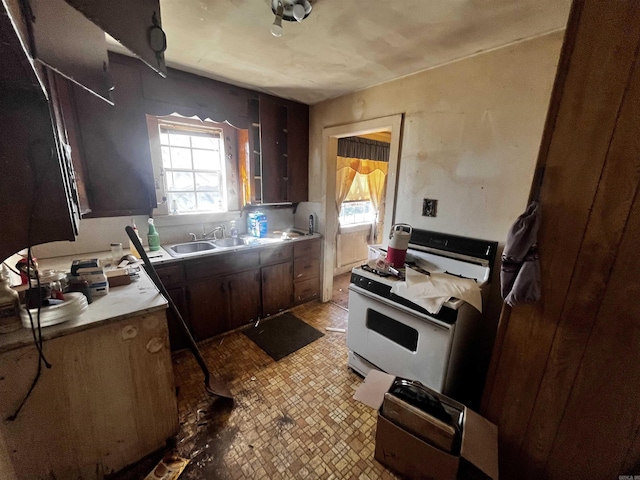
(398, 340)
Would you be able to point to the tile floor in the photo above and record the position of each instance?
(340, 293)
(294, 418)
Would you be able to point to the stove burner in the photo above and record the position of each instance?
(374, 271)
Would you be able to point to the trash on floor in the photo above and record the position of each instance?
(169, 468)
(334, 329)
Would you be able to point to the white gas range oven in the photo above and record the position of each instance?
(394, 334)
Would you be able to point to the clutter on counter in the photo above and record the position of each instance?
(55, 295)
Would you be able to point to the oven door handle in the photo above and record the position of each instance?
(407, 310)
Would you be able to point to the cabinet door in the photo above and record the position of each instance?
(298, 152)
(177, 336)
(208, 307)
(36, 185)
(244, 298)
(273, 150)
(130, 25)
(115, 147)
(277, 288)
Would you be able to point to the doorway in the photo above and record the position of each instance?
(385, 127)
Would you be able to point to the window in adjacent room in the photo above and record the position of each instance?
(357, 207)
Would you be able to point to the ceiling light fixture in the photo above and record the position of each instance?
(289, 10)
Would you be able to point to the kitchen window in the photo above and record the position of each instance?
(195, 166)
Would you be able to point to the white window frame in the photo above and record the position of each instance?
(367, 222)
(162, 212)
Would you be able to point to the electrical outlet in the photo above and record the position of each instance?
(429, 207)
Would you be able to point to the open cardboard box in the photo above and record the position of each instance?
(417, 459)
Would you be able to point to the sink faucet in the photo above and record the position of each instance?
(213, 232)
(192, 237)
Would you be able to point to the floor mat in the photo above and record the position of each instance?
(282, 335)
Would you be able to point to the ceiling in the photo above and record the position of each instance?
(343, 46)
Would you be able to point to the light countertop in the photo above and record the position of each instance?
(125, 301)
(122, 302)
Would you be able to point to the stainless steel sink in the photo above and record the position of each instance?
(189, 248)
(228, 242)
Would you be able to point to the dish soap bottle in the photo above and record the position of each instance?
(234, 229)
(9, 304)
(132, 247)
(152, 237)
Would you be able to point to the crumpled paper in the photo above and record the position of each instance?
(433, 290)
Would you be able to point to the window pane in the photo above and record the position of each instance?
(209, 201)
(164, 138)
(186, 202)
(206, 160)
(178, 140)
(207, 181)
(356, 212)
(180, 181)
(210, 143)
(180, 158)
(166, 158)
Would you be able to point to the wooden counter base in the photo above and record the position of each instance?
(107, 401)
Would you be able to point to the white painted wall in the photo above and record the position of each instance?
(470, 139)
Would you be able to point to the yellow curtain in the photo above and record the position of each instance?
(354, 177)
(371, 171)
(344, 179)
(377, 182)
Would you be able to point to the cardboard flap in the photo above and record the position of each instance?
(372, 391)
(480, 443)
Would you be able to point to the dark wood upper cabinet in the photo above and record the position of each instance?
(298, 152)
(114, 147)
(66, 41)
(136, 25)
(284, 139)
(37, 191)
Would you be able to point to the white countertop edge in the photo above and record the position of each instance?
(122, 302)
(166, 258)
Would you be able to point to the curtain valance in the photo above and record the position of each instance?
(356, 147)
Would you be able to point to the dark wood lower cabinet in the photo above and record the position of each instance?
(177, 336)
(221, 304)
(218, 293)
(277, 288)
(208, 307)
(244, 298)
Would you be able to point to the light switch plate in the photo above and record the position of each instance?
(429, 207)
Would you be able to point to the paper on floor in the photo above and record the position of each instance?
(431, 291)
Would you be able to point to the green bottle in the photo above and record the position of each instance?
(152, 237)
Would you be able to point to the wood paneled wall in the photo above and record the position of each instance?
(564, 383)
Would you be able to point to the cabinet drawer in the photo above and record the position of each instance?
(170, 275)
(307, 248)
(276, 255)
(306, 290)
(306, 268)
(221, 264)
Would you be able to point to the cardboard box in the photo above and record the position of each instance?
(416, 458)
(117, 278)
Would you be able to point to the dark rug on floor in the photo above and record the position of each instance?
(282, 335)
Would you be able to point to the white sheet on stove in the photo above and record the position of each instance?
(431, 291)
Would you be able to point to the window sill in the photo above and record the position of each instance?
(355, 227)
(191, 218)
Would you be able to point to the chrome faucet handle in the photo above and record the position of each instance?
(192, 237)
